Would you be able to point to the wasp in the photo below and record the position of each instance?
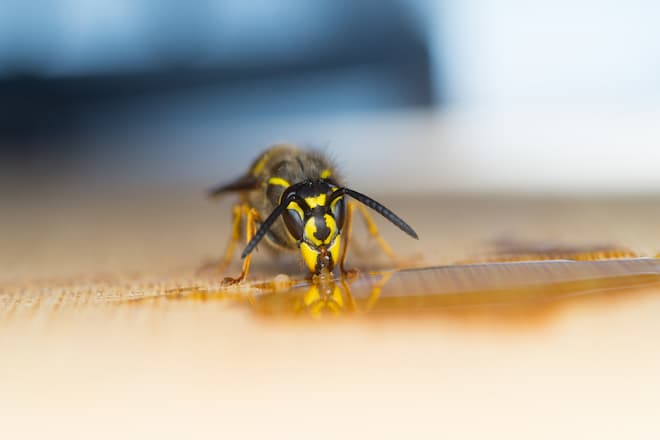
(296, 200)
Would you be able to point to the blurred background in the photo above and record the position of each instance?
(459, 96)
(535, 123)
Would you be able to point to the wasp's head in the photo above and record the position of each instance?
(314, 212)
(314, 216)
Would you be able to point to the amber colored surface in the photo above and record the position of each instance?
(113, 323)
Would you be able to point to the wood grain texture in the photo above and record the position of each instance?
(99, 336)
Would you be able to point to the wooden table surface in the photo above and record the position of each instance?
(103, 335)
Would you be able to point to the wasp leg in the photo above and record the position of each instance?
(350, 299)
(251, 216)
(374, 295)
(237, 215)
(348, 224)
(373, 230)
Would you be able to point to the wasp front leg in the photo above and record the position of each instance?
(373, 231)
(237, 216)
(251, 216)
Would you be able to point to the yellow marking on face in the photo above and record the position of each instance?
(334, 250)
(311, 247)
(310, 232)
(335, 201)
(326, 173)
(279, 182)
(309, 256)
(332, 225)
(316, 201)
(296, 207)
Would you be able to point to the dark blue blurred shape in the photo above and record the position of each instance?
(265, 58)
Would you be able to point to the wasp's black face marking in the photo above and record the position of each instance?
(322, 230)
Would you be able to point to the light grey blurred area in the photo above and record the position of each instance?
(461, 97)
(423, 151)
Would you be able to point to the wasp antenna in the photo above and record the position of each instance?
(265, 226)
(382, 210)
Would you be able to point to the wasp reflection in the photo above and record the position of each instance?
(322, 298)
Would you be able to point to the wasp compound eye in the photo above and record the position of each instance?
(293, 219)
(338, 208)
